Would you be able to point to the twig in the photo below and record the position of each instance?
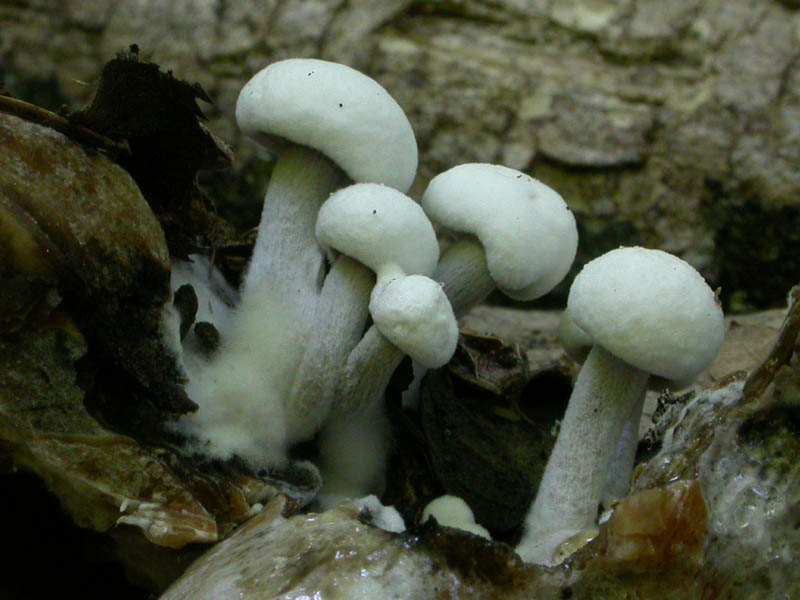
(79, 133)
(781, 352)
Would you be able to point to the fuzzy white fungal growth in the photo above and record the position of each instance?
(215, 296)
(353, 454)
(241, 390)
(215, 301)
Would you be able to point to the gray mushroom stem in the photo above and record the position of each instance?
(286, 255)
(339, 319)
(571, 488)
(618, 480)
(367, 372)
(464, 274)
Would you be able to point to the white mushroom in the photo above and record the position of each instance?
(452, 511)
(520, 234)
(526, 242)
(648, 312)
(414, 314)
(388, 232)
(327, 123)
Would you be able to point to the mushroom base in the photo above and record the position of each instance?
(571, 488)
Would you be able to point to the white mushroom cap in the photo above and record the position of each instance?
(575, 341)
(452, 511)
(414, 314)
(525, 227)
(650, 309)
(380, 227)
(448, 509)
(336, 110)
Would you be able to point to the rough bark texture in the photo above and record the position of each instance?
(669, 124)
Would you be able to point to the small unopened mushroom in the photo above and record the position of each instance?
(452, 511)
(648, 313)
(414, 314)
(518, 234)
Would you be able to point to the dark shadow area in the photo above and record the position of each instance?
(49, 557)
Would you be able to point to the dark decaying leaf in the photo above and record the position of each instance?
(157, 114)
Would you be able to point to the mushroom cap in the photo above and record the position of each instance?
(650, 309)
(527, 230)
(336, 110)
(577, 344)
(380, 227)
(452, 511)
(575, 341)
(413, 312)
(447, 510)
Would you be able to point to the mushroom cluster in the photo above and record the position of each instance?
(346, 279)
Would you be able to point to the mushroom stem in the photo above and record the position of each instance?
(338, 323)
(286, 255)
(366, 372)
(465, 278)
(572, 485)
(620, 471)
(353, 450)
(464, 274)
